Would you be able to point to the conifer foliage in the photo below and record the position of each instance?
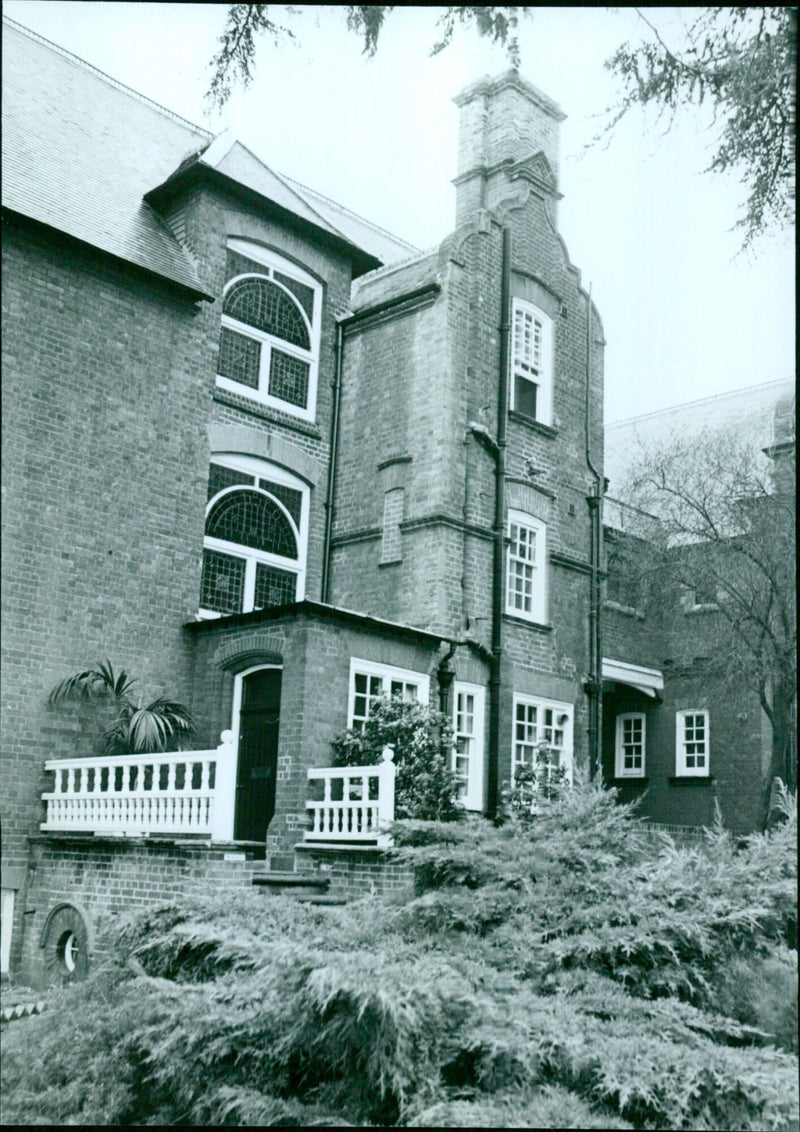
(566, 971)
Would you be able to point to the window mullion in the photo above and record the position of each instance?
(249, 585)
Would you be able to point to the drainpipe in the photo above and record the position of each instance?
(337, 387)
(499, 529)
(445, 676)
(594, 683)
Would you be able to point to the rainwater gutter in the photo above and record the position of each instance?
(334, 442)
(593, 684)
(493, 768)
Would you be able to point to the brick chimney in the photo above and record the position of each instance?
(508, 129)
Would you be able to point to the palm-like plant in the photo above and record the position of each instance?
(138, 728)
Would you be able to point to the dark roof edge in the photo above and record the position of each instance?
(196, 293)
(106, 78)
(197, 169)
(315, 609)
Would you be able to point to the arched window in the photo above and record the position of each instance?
(254, 550)
(269, 339)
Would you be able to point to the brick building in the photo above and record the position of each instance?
(693, 734)
(277, 463)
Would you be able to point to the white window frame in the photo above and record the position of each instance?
(271, 262)
(386, 673)
(620, 769)
(682, 768)
(518, 565)
(6, 928)
(254, 466)
(533, 365)
(560, 709)
(468, 732)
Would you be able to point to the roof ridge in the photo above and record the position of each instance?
(107, 78)
(699, 401)
(349, 211)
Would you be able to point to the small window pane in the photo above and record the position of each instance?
(525, 396)
(222, 587)
(288, 378)
(219, 478)
(239, 358)
(273, 586)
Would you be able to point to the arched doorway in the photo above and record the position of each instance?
(256, 717)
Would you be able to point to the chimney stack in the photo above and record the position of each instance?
(504, 122)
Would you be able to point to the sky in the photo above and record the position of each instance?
(685, 314)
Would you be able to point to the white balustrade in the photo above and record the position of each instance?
(137, 795)
(357, 803)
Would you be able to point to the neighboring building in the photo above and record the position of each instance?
(691, 736)
(275, 463)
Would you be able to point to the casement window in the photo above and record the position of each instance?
(630, 745)
(371, 682)
(543, 738)
(526, 580)
(269, 339)
(532, 362)
(469, 702)
(692, 742)
(254, 550)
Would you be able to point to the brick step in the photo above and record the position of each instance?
(304, 886)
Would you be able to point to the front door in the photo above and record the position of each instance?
(257, 764)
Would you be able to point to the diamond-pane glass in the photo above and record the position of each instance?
(267, 307)
(288, 378)
(249, 518)
(239, 358)
(304, 294)
(222, 587)
(273, 586)
(219, 478)
(290, 497)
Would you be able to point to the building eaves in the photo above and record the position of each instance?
(320, 611)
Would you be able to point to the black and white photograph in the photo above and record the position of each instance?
(399, 632)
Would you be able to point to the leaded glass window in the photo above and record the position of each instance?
(252, 519)
(255, 537)
(269, 340)
(265, 306)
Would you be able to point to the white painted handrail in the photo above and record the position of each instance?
(357, 803)
(136, 795)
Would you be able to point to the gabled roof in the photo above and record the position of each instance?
(86, 155)
(752, 413)
(80, 151)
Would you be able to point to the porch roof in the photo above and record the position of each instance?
(647, 680)
(320, 611)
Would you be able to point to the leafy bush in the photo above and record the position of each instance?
(560, 972)
(422, 738)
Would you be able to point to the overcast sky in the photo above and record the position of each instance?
(684, 317)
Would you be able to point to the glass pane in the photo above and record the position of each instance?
(219, 478)
(265, 306)
(288, 378)
(239, 358)
(525, 396)
(222, 587)
(252, 519)
(273, 586)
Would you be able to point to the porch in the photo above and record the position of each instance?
(192, 794)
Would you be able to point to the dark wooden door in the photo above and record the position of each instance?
(257, 764)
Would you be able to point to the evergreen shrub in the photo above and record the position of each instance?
(558, 972)
(422, 738)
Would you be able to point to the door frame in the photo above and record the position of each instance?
(236, 712)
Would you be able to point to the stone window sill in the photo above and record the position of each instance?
(527, 622)
(535, 426)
